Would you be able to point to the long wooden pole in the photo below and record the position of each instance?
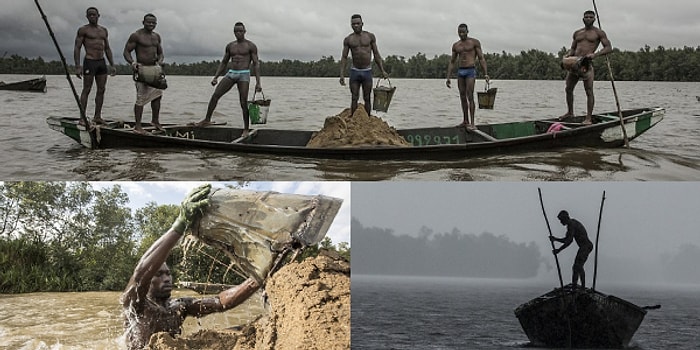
(556, 259)
(597, 237)
(612, 81)
(70, 81)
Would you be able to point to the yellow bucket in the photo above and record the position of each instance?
(487, 97)
(382, 96)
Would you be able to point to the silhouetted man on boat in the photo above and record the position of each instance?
(574, 231)
(148, 308)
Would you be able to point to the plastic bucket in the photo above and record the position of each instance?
(487, 97)
(258, 109)
(382, 96)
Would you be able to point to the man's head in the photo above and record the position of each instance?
(92, 14)
(161, 284)
(239, 30)
(356, 23)
(563, 217)
(462, 31)
(588, 18)
(149, 22)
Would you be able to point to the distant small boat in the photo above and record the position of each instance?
(33, 85)
(698, 98)
(580, 319)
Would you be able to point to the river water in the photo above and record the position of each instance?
(31, 151)
(89, 320)
(390, 312)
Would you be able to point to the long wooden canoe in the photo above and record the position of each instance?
(579, 319)
(437, 143)
(34, 85)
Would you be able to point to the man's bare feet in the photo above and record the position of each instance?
(202, 123)
(157, 126)
(462, 125)
(245, 133)
(471, 127)
(587, 121)
(140, 131)
(561, 118)
(98, 120)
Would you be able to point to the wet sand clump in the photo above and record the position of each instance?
(358, 129)
(309, 308)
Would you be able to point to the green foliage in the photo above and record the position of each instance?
(660, 64)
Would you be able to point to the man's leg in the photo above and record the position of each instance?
(590, 99)
(366, 93)
(221, 88)
(101, 81)
(138, 112)
(243, 86)
(462, 85)
(87, 86)
(354, 95)
(470, 98)
(571, 81)
(155, 113)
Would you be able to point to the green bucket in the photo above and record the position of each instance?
(258, 109)
(382, 96)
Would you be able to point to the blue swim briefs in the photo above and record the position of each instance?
(238, 75)
(467, 72)
(360, 75)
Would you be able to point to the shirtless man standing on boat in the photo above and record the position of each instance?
(146, 302)
(362, 45)
(465, 52)
(93, 37)
(582, 52)
(239, 55)
(574, 231)
(149, 52)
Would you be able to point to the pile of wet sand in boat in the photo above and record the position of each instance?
(309, 309)
(353, 130)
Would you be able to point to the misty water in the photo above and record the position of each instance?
(89, 320)
(31, 151)
(390, 312)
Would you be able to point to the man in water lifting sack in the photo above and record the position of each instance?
(149, 58)
(148, 308)
(578, 63)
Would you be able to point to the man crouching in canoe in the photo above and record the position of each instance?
(586, 41)
(148, 308)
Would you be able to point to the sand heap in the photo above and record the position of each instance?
(309, 309)
(358, 129)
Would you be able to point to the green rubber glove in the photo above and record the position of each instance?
(192, 206)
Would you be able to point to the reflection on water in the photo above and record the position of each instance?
(88, 320)
(669, 151)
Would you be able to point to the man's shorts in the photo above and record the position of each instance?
(94, 67)
(238, 75)
(360, 75)
(466, 72)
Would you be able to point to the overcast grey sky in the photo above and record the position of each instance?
(173, 192)
(309, 29)
(641, 221)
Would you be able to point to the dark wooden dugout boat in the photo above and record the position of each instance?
(586, 319)
(436, 143)
(34, 85)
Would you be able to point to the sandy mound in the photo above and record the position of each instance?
(359, 129)
(309, 309)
